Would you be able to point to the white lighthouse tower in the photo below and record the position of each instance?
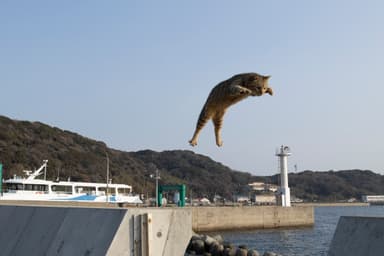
(285, 193)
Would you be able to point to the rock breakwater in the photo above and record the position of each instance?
(204, 245)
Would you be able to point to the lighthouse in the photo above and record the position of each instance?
(282, 153)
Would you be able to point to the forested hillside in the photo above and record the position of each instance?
(23, 146)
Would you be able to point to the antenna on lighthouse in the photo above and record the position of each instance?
(283, 152)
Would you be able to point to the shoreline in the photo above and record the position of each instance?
(331, 204)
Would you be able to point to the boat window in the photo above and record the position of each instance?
(85, 189)
(124, 191)
(35, 187)
(111, 191)
(61, 189)
(13, 186)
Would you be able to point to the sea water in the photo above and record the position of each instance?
(311, 241)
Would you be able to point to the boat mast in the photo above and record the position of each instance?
(38, 171)
(45, 170)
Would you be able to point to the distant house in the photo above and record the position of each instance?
(201, 201)
(263, 187)
(296, 200)
(217, 199)
(205, 201)
(265, 199)
(263, 193)
(242, 199)
(373, 199)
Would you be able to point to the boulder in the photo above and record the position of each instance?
(208, 240)
(269, 254)
(243, 246)
(216, 249)
(197, 246)
(218, 238)
(253, 253)
(241, 252)
(229, 251)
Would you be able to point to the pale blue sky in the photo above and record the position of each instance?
(135, 74)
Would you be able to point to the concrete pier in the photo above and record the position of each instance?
(31, 230)
(71, 228)
(260, 217)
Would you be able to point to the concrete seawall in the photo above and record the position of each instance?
(98, 229)
(31, 230)
(235, 218)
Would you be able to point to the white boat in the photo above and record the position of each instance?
(31, 188)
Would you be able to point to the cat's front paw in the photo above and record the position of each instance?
(245, 91)
(193, 143)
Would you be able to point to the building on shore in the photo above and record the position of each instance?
(263, 187)
(373, 199)
(263, 193)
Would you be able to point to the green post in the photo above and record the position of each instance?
(159, 196)
(182, 195)
(1, 179)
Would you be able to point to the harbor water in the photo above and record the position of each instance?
(311, 241)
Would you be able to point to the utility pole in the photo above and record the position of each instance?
(157, 177)
(106, 190)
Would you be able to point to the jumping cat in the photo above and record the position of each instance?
(226, 94)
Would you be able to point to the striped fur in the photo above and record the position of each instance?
(226, 94)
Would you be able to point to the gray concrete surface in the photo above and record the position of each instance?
(167, 232)
(37, 230)
(90, 229)
(57, 231)
(358, 236)
(256, 217)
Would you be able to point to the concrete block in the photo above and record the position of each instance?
(358, 236)
(170, 232)
(31, 230)
(57, 231)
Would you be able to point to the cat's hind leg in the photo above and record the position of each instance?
(218, 123)
(203, 119)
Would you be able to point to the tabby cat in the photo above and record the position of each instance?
(226, 94)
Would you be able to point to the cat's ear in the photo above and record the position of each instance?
(266, 77)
